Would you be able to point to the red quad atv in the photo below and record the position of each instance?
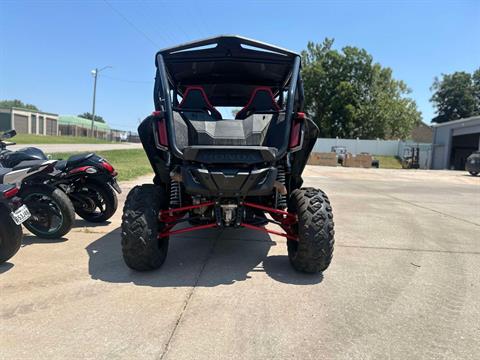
(217, 173)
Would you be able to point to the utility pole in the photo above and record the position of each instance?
(95, 75)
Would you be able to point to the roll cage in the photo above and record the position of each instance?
(228, 68)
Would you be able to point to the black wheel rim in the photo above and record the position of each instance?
(47, 216)
(93, 203)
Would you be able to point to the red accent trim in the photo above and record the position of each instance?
(300, 116)
(193, 228)
(79, 169)
(295, 134)
(205, 97)
(162, 132)
(185, 208)
(106, 165)
(157, 113)
(11, 193)
(270, 210)
(285, 218)
(254, 93)
(253, 227)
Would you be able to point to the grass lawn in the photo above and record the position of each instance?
(389, 162)
(129, 163)
(39, 139)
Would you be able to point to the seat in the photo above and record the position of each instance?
(195, 100)
(261, 100)
(61, 165)
(77, 159)
(28, 164)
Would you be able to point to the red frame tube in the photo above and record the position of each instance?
(186, 208)
(285, 218)
(265, 208)
(180, 231)
(258, 228)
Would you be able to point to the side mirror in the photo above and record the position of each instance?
(8, 134)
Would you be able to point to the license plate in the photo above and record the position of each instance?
(116, 187)
(20, 215)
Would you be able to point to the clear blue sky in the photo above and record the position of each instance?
(48, 48)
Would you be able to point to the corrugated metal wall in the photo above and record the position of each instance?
(51, 126)
(20, 123)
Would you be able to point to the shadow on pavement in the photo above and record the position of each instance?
(211, 258)
(32, 239)
(5, 267)
(80, 223)
(278, 268)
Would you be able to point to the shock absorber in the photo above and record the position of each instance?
(175, 194)
(280, 199)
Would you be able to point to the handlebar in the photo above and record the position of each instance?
(4, 144)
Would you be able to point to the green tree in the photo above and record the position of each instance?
(89, 116)
(8, 104)
(349, 96)
(456, 96)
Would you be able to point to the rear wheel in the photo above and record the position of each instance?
(52, 211)
(315, 229)
(10, 236)
(95, 202)
(141, 247)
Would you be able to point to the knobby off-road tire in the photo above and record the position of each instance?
(142, 250)
(62, 206)
(105, 194)
(313, 251)
(10, 235)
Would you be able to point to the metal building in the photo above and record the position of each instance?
(454, 141)
(26, 121)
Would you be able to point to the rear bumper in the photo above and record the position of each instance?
(228, 182)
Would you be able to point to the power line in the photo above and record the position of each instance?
(136, 28)
(128, 80)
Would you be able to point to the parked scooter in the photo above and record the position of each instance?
(52, 211)
(12, 214)
(88, 179)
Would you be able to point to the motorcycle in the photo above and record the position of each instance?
(88, 179)
(12, 214)
(52, 212)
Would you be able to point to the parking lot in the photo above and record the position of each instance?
(404, 284)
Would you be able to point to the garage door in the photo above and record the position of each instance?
(20, 123)
(41, 124)
(51, 127)
(33, 125)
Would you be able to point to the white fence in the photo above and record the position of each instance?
(375, 147)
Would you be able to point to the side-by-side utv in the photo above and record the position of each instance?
(212, 172)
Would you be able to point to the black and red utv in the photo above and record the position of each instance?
(216, 173)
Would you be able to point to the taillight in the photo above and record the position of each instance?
(295, 133)
(11, 192)
(107, 166)
(87, 169)
(162, 132)
(161, 128)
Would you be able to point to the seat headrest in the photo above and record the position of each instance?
(261, 100)
(195, 98)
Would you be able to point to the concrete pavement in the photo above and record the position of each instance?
(403, 284)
